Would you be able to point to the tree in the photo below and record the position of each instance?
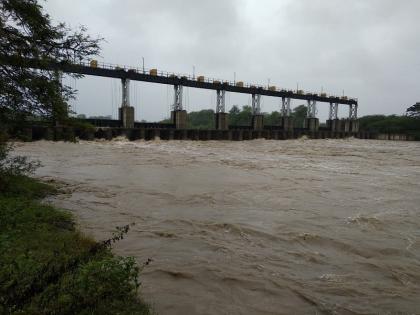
(414, 111)
(299, 114)
(203, 119)
(240, 117)
(272, 119)
(234, 110)
(26, 33)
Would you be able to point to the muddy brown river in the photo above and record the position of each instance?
(254, 227)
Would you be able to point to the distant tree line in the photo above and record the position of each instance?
(409, 123)
(204, 119)
(391, 124)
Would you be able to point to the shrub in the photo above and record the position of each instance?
(12, 167)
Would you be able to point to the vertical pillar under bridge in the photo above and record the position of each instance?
(311, 122)
(257, 118)
(333, 123)
(126, 112)
(221, 117)
(354, 122)
(178, 114)
(286, 119)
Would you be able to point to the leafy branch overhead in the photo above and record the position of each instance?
(26, 32)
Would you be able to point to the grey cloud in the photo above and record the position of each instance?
(369, 48)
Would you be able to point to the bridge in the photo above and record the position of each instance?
(179, 81)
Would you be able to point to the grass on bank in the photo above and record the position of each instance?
(48, 267)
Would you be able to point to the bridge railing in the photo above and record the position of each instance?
(146, 71)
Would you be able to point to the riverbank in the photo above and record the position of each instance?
(48, 267)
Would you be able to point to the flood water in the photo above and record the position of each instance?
(253, 227)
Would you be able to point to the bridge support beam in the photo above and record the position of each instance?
(221, 117)
(354, 123)
(286, 119)
(222, 121)
(257, 117)
(179, 119)
(126, 112)
(178, 114)
(258, 122)
(333, 123)
(311, 122)
(345, 125)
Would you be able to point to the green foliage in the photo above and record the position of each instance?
(26, 32)
(299, 114)
(272, 119)
(24, 187)
(104, 285)
(78, 123)
(47, 267)
(203, 119)
(391, 124)
(12, 168)
(239, 117)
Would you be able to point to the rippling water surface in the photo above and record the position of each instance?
(257, 227)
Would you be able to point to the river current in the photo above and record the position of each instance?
(253, 227)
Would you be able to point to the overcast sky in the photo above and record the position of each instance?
(368, 48)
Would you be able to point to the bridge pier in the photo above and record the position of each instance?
(221, 121)
(286, 120)
(311, 122)
(257, 118)
(333, 123)
(178, 114)
(179, 119)
(221, 117)
(354, 123)
(345, 125)
(126, 112)
(354, 126)
(258, 122)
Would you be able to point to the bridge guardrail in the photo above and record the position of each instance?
(146, 71)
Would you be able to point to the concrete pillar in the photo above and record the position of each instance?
(126, 116)
(354, 125)
(257, 122)
(126, 112)
(333, 124)
(345, 125)
(287, 123)
(221, 121)
(179, 119)
(312, 124)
